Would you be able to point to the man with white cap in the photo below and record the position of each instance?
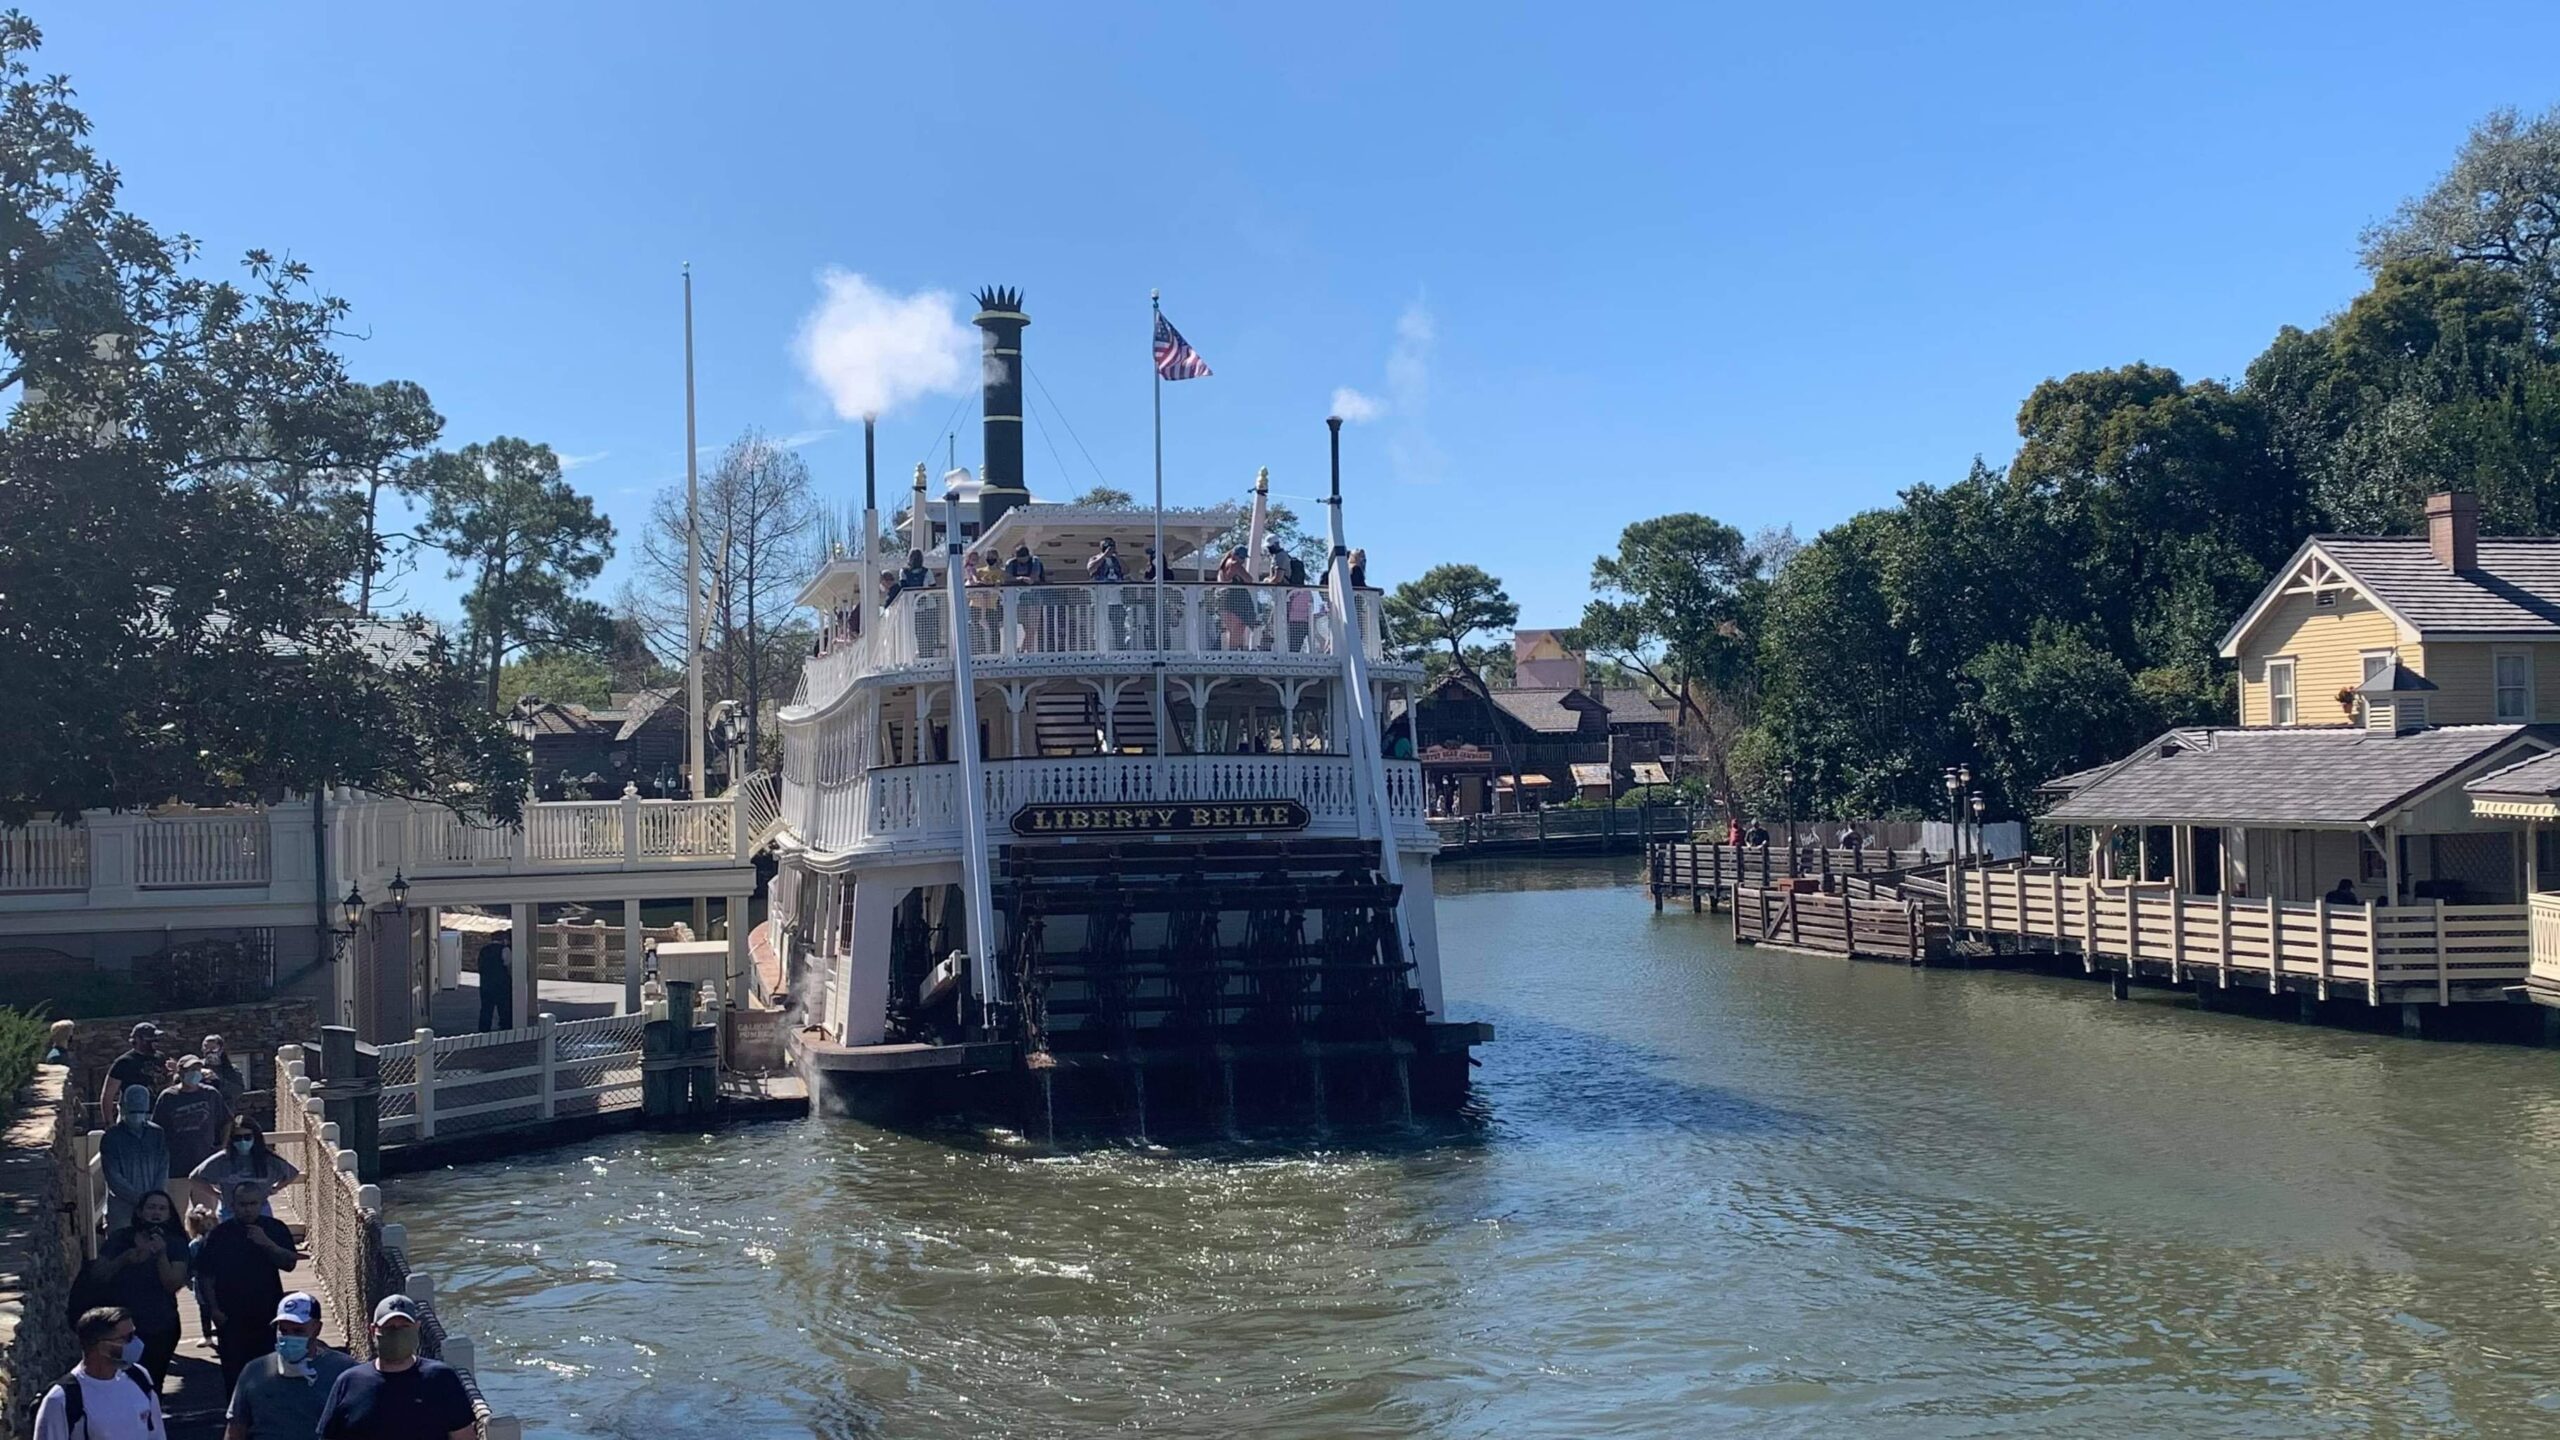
(400, 1394)
(280, 1394)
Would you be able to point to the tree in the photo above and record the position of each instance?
(759, 546)
(375, 438)
(1107, 497)
(563, 677)
(1441, 611)
(2497, 208)
(1679, 605)
(2047, 707)
(504, 516)
(173, 627)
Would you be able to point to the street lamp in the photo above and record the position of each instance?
(399, 891)
(1977, 819)
(351, 909)
(1787, 777)
(1955, 819)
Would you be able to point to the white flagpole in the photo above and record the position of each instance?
(696, 770)
(1155, 308)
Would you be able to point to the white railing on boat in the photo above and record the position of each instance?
(918, 806)
(1009, 623)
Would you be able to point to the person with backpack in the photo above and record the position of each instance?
(108, 1395)
(1297, 607)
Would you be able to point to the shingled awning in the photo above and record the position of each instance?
(2526, 790)
(2330, 777)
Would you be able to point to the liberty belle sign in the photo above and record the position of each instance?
(1180, 817)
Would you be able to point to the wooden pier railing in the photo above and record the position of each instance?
(1832, 924)
(2431, 951)
(1708, 872)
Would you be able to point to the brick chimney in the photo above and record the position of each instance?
(2453, 529)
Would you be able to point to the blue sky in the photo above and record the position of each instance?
(1772, 263)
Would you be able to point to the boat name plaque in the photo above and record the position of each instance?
(1177, 817)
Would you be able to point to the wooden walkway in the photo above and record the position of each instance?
(1709, 872)
(1802, 918)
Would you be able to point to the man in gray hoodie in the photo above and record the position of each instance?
(135, 1157)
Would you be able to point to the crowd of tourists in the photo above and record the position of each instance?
(1239, 611)
(190, 1184)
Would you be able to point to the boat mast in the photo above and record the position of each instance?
(1369, 762)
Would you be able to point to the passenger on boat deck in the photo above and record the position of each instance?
(888, 586)
(1237, 610)
(1105, 567)
(2345, 894)
(1025, 568)
(1359, 561)
(984, 570)
(914, 576)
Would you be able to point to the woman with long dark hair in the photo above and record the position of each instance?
(244, 1156)
(142, 1267)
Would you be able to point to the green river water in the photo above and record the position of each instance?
(1711, 1191)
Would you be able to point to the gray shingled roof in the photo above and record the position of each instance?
(2515, 590)
(1629, 706)
(1541, 710)
(2328, 775)
(2539, 776)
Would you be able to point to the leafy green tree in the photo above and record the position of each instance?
(563, 677)
(173, 624)
(2497, 208)
(1107, 497)
(1442, 610)
(2055, 704)
(1679, 605)
(1283, 523)
(505, 517)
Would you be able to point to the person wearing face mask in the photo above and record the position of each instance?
(280, 1394)
(196, 1119)
(399, 1394)
(221, 1072)
(244, 1262)
(108, 1395)
(244, 1157)
(135, 1157)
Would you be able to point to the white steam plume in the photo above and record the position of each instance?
(873, 351)
(1356, 408)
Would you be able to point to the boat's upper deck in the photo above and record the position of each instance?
(1066, 621)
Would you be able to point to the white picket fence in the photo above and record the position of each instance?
(446, 1085)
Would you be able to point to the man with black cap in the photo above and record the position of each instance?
(280, 1394)
(244, 1262)
(140, 1064)
(399, 1394)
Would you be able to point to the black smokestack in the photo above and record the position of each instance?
(870, 472)
(1000, 316)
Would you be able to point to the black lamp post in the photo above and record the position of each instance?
(1977, 818)
(1954, 818)
(1787, 777)
(1964, 781)
(399, 891)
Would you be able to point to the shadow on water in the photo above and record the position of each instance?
(1546, 1074)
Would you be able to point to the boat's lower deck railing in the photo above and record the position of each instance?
(2433, 947)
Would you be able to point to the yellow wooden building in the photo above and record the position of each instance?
(2373, 820)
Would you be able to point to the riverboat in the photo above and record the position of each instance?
(1145, 848)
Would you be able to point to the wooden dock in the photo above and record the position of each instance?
(1799, 917)
(1563, 830)
(1708, 873)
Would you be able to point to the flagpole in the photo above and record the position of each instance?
(1155, 307)
(695, 770)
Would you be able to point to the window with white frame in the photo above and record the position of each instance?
(2280, 709)
(2514, 670)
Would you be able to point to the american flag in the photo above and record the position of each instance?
(1175, 359)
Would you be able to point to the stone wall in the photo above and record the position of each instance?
(253, 1032)
(39, 1247)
